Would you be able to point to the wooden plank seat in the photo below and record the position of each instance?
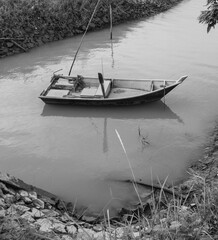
(57, 92)
(107, 88)
(88, 92)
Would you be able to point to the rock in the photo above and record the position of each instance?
(101, 235)
(2, 213)
(17, 196)
(97, 228)
(32, 195)
(64, 218)
(13, 209)
(2, 202)
(45, 225)
(50, 213)
(23, 193)
(20, 202)
(38, 203)
(71, 229)
(47, 200)
(36, 213)
(136, 235)
(4, 177)
(22, 208)
(86, 234)
(10, 191)
(69, 220)
(9, 225)
(27, 200)
(89, 219)
(27, 216)
(66, 237)
(9, 199)
(119, 232)
(1, 194)
(59, 227)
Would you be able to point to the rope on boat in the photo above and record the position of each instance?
(96, 6)
(164, 94)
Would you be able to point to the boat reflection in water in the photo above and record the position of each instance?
(156, 110)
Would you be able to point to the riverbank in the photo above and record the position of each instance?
(187, 211)
(28, 24)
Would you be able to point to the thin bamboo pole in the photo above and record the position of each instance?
(18, 45)
(111, 23)
(96, 6)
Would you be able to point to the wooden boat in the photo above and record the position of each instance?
(98, 91)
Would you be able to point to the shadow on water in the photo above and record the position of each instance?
(156, 110)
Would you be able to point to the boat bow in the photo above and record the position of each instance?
(182, 79)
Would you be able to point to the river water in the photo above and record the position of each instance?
(74, 152)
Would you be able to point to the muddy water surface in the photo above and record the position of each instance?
(74, 152)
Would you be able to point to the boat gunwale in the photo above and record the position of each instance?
(108, 99)
(122, 79)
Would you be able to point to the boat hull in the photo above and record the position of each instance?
(144, 98)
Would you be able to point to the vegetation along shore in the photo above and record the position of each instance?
(25, 24)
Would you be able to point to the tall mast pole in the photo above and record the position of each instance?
(83, 37)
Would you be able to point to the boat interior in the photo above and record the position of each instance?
(80, 87)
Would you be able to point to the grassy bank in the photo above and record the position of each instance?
(25, 24)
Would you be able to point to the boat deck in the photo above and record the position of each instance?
(114, 89)
(125, 92)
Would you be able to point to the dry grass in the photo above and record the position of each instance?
(192, 215)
